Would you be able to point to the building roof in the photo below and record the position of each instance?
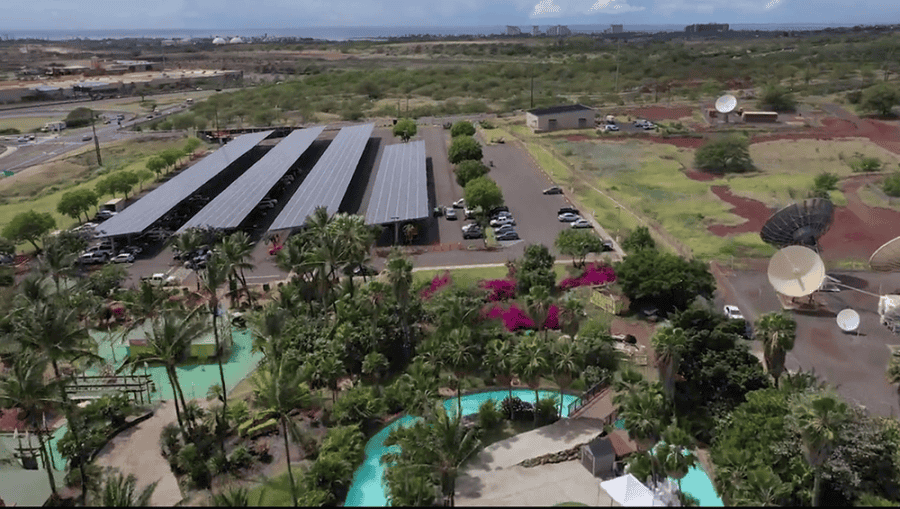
(621, 443)
(560, 109)
(401, 185)
(327, 182)
(601, 446)
(235, 203)
(147, 210)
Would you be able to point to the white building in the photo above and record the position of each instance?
(511, 30)
(569, 116)
(535, 30)
(559, 31)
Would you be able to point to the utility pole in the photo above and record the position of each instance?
(532, 86)
(96, 141)
(618, 50)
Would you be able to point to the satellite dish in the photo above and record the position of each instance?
(796, 271)
(726, 104)
(848, 320)
(887, 257)
(799, 223)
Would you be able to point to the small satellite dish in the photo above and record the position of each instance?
(726, 104)
(799, 223)
(796, 271)
(848, 320)
(887, 257)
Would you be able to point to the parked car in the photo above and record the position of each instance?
(364, 270)
(105, 214)
(648, 126)
(553, 190)
(502, 214)
(568, 217)
(460, 203)
(469, 226)
(473, 233)
(572, 210)
(123, 258)
(502, 221)
(608, 245)
(733, 312)
(508, 236)
(469, 213)
(135, 250)
(159, 279)
(611, 127)
(438, 211)
(582, 223)
(94, 257)
(503, 229)
(502, 208)
(266, 204)
(450, 213)
(87, 137)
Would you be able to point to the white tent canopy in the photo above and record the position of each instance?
(627, 491)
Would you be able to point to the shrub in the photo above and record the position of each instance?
(240, 457)
(547, 413)
(170, 440)
(863, 164)
(238, 411)
(594, 274)
(217, 464)
(823, 183)
(725, 155)
(439, 281)
(520, 410)
(488, 415)
(500, 289)
(891, 185)
(395, 397)
(462, 128)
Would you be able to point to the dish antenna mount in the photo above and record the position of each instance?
(799, 224)
(725, 105)
(796, 271)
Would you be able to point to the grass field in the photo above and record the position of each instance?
(811, 157)
(471, 276)
(25, 124)
(873, 196)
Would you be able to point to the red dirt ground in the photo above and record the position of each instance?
(656, 113)
(754, 211)
(9, 420)
(700, 176)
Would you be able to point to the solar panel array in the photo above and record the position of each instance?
(400, 192)
(327, 182)
(236, 202)
(158, 202)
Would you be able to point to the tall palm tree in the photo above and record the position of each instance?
(777, 332)
(121, 491)
(566, 363)
(453, 444)
(213, 278)
(668, 343)
(57, 261)
(23, 387)
(237, 251)
(817, 416)
(531, 358)
(674, 453)
(399, 274)
(169, 339)
(280, 390)
(187, 242)
(571, 314)
(498, 359)
(538, 301)
(457, 354)
(645, 414)
(762, 488)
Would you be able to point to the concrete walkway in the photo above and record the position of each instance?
(493, 479)
(136, 451)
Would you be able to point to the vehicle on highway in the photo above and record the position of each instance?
(553, 190)
(563, 210)
(450, 213)
(460, 203)
(582, 223)
(502, 221)
(568, 217)
(733, 312)
(508, 236)
(123, 257)
(23, 139)
(474, 233)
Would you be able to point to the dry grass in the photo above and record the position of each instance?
(811, 157)
(25, 124)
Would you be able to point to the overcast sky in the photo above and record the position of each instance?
(238, 14)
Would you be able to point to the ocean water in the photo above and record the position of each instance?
(360, 32)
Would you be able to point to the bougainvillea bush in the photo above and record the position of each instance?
(594, 274)
(500, 289)
(515, 318)
(439, 281)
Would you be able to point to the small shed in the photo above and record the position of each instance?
(598, 456)
(567, 116)
(759, 116)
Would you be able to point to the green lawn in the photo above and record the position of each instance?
(471, 276)
(25, 124)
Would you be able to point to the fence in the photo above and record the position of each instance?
(586, 398)
(95, 387)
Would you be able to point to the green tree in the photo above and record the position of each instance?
(469, 170)
(121, 491)
(405, 128)
(817, 417)
(170, 156)
(893, 370)
(880, 99)
(664, 278)
(143, 176)
(191, 145)
(891, 185)
(7, 248)
(668, 345)
(29, 226)
(531, 360)
(463, 148)
(462, 128)
(483, 192)
(212, 279)
(567, 364)
(639, 238)
(577, 244)
(237, 251)
(823, 184)
(730, 154)
(777, 98)
(156, 164)
(499, 363)
(535, 269)
(777, 332)
(77, 202)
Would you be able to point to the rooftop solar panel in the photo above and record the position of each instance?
(236, 202)
(400, 192)
(327, 182)
(158, 202)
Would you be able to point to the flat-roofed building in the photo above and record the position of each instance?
(569, 116)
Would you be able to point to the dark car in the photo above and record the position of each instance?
(508, 236)
(572, 210)
(473, 233)
(553, 190)
(501, 208)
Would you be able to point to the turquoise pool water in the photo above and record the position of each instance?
(698, 485)
(367, 489)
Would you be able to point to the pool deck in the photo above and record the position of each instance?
(493, 479)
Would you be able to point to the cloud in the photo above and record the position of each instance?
(772, 3)
(545, 7)
(614, 7)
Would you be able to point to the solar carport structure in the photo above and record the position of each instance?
(146, 211)
(327, 182)
(236, 202)
(400, 192)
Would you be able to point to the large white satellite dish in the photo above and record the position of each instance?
(796, 271)
(848, 320)
(726, 104)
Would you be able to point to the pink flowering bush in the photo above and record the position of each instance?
(439, 281)
(552, 321)
(515, 318)
(594, 274)
(500, 289)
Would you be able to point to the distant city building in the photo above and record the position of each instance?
(559, 31)
(706, 28)
(535, 30)
(511, 30)
(616, 29)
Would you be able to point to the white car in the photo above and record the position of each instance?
(568, 217)
(733, 312)
(501, 221)
(612, 127)
(460, 203)
(106, 214)
(469, 226)
(582, 223)
(123, 258)
(450, 214)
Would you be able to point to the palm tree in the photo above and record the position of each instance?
(187, 242)
(280, 390)
(531, 360)
(571, 314)
(674, 453)
(234, 497)
(566, 364)
(538, 302)
(212, 278)
(457, 354)
(237, 251)
(762, 488)
(399, 275)
(777, 332)
(668, 343)
(23, 387)
(120, 491)
(645, 413)
(57, 261)
(453, 444)
(817, 416)
(498, 359)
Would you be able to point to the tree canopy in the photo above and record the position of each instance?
(664, 278)
(535, 269)
(462, 128)
(577, 243)
(29, 226)
(483, 192)
(77, 202)
(639, 238)
(469, 170)
(405, 128)
(777, 98)
(880, 99)
(462, 148)
(730, 154)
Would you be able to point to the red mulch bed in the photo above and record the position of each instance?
(701, 176)
(858, 230)
(9, 421)
(754, 211)
(656, 113)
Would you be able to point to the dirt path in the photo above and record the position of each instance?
(136, 451)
